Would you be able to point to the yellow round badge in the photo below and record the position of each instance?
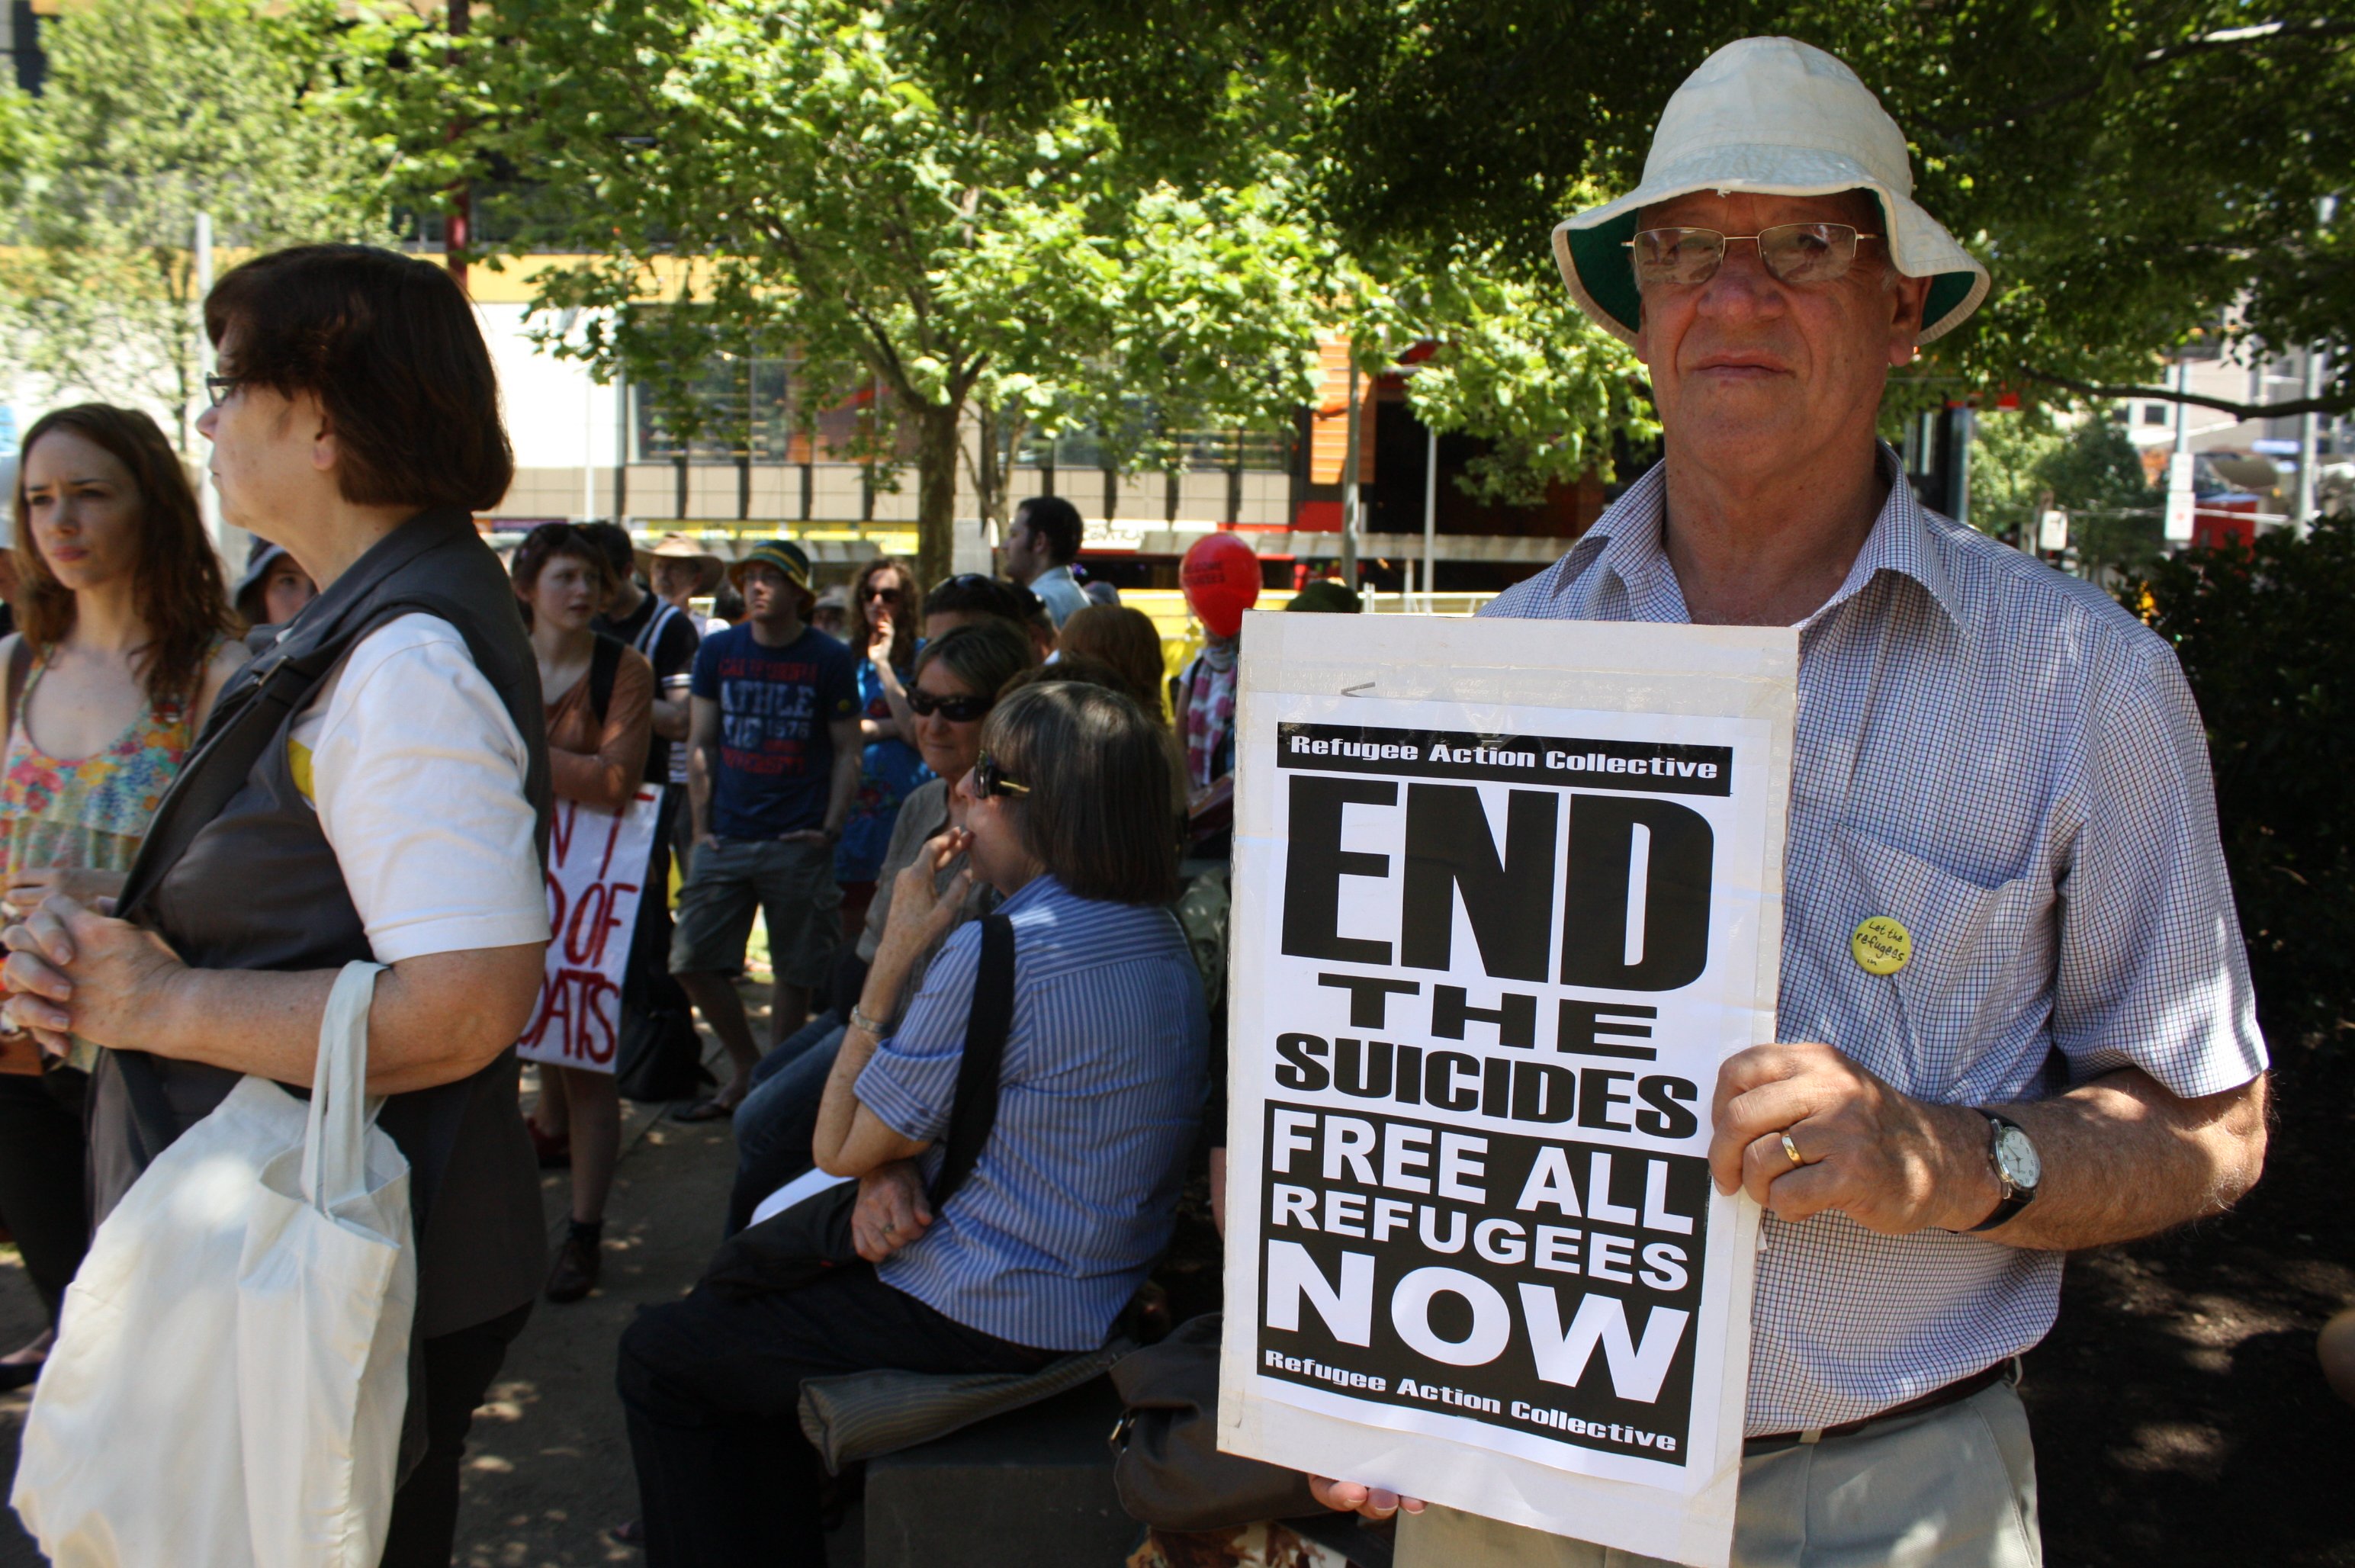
(1882, 945)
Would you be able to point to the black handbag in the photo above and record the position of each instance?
(790, 1250)
(661, 1056)
(1165, 1461)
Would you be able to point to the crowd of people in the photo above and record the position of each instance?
(965, 816)
(401, 705)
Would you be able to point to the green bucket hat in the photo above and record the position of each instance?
(1775, 117)
(783, 554)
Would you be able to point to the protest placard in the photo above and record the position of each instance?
(1506, 892)
(596, 871)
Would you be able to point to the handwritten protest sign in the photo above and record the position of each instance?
(1506, 895)
(596, 871)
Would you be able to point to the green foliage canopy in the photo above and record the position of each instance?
(755, 176)
(151, 115)
(2134, 173)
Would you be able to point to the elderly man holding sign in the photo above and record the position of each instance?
(2017, 1010)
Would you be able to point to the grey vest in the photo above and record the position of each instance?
(236, 874)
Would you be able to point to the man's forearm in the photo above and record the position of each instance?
(699, 791)
(432, 1020)
(845, 790)
(2122, 1158)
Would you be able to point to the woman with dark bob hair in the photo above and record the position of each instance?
(1067, 814)
(373, 785)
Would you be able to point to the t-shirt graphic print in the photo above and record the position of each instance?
(776, 757)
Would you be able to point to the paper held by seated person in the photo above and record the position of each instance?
(1507, 893)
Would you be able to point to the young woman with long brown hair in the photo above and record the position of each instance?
(885, 617)
(597, 744)
(123, 640)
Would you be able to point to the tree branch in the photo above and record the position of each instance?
(2229, 38)
(2331, 403)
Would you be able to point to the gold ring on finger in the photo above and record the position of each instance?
(1791, 1150)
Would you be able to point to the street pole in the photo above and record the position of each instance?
(2180, 524)
(457, 232)
(2309, 432)
(207, 498)
(1430, 513)
(1349, 485)
(588, 424)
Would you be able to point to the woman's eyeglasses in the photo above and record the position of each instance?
(219, 387)
(882, 596)
(989, 781)
(956, 710)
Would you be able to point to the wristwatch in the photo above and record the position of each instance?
(2018, 1170)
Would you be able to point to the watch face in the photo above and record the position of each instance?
(2017, 1158)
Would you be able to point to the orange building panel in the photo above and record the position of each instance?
(1329, 441)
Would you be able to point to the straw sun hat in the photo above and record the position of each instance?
(709, 568)
(1772, 117)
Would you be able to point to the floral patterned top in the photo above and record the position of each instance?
(92, 813)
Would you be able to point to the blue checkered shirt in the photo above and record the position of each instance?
(2009, 763)
(1106, 1065)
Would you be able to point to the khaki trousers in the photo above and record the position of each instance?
(1951, 1488)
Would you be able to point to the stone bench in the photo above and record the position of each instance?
(1031, 1488)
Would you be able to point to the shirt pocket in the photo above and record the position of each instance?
(1970, 978)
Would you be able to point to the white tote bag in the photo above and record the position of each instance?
(230, 1373)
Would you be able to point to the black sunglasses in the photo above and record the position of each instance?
(956, 710)
(987, 780)
(888, 596)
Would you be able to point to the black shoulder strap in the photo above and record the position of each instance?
(976, 1110)
(605, 660)
(649, 635)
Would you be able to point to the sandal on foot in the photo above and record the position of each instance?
(712, 1110)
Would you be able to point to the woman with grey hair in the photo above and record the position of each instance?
(1100, 1090)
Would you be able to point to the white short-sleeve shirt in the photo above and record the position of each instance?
(418, 775)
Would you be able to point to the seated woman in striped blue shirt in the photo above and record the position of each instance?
(1068, 815)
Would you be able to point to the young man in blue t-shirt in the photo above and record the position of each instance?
(775, 749)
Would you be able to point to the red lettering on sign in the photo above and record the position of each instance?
(578, 1014)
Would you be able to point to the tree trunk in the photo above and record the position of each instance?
(936, 466)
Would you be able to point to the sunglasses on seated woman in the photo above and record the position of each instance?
(988, 780)
(956, 710)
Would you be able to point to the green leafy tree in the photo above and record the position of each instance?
(2136, 172)
(2024, 461)
(1514, 362)
(779, 178)
(151, 113)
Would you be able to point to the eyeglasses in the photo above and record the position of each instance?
(883, 596)
(1792, 252)
(987, 780)
(956, 710)
(219, 387)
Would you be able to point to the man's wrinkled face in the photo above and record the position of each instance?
(1756, 372)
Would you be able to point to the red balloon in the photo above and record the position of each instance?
(1221, 576)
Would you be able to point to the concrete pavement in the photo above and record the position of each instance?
(548, 1469)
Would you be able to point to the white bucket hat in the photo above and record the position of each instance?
(1775, 117)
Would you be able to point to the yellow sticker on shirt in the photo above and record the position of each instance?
(298, 762)
(1882, 945)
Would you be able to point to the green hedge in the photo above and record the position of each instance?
(2267, 640)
